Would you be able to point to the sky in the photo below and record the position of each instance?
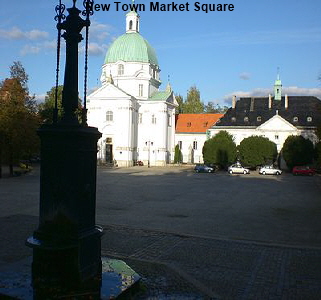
(222, 53)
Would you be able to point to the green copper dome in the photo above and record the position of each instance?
(131, 47)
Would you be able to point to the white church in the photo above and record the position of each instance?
(136, 119)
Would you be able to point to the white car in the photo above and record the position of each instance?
(270, 170)
(237, 168)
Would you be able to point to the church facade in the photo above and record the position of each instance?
(136, 119)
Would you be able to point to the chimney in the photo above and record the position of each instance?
(270, 101)
(286, 101)
(233, 102)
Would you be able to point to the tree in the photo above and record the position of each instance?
(180, 102)
(178, 157)
(257, 150)
(220, 149)
(18, 119)
(193, 104)
(210, 107)
(46, 108)
(297, 151)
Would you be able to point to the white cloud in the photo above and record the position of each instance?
(245, 76)
(40, 98)
(98, 31)
(94, 49)
(28, 49)
(16, 33)
(264, 92)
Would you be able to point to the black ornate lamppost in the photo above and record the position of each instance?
(67, 243)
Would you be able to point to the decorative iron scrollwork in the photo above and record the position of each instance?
(89, 8)
(60, 8)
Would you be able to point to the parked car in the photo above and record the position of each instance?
(303, 170)
(203, 168)
(237, 168)
(270, 170)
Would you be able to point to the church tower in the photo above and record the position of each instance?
(278, 88)
(132, 22)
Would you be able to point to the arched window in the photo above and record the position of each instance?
(120, 69)
(130, 25)
(109, 116)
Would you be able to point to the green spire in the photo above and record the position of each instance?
(278, 87)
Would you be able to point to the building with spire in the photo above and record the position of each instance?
(136, 119)
(275, 117)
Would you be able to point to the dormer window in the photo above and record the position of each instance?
(205, 124)
(246, 119)
(259, 118)
(233, 119)
(295, 119)
(120, 69)
(309, 119)
(189, 124)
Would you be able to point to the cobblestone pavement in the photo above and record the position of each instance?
(207, 268)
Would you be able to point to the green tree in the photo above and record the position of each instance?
(257, 150)
(193, 104)
(18, 119)
(180, 101)
(220, 149)
(46, 108)
(297, 151)
(210, 107)
(178, 157)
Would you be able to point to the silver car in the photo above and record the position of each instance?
(237, 168)
(270, 170)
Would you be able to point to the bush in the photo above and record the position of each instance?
(220, 149)
(257, 150)
(297, 151)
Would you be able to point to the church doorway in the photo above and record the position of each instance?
(109, 150)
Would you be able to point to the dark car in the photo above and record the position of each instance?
(203, 168)
(303, 170)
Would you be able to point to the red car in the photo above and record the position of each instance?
(303, 170)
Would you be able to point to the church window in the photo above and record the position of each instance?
(195, 145)
(140, 118)
(169, 120)
(276, 137)
(295, 119)
(233, 119)
(140, 90)
(246, 119)
(120, 69)
(153, 119)
(130, 25)
(309, 119)
(109, 140)
(189, 124)
(180, 145)
(109, 116)
(259, 119)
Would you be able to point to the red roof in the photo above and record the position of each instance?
(195, 123)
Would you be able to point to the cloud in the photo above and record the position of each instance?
(264, 92)
(99, 32)
(245, 76)
(29, 49)
(40, 98)
(94, 49)
(16, 33)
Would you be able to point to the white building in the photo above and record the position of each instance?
(273, 117)
(191, 134)
(137, 121)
